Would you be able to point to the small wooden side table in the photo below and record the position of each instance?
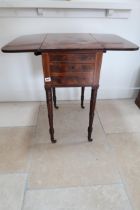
(70, 60)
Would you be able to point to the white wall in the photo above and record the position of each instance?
(21, 74)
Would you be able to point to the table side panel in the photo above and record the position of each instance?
(98, 64)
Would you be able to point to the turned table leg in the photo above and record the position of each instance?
(82, 97)
(50, 113)
(92, 109)
(137, 101)
(54, 98)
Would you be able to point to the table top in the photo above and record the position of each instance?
(39, 43)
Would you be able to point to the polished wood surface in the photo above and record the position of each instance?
(50, 113)
(29, 43)
(66, 73)
(82, 97)
(70, 60)
(92, 110)
(54, 98)
(49, 42)
(72, 57)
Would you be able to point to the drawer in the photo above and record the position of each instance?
(65, 67)
(70, 79)
(71, 57)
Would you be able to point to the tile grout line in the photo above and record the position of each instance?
(30, 155)
(29, 161)
(125, 185)
(125, 189)
(31, 126)
(11, 173)
(35, 130)
(121, 176)
(24, 194)
(115, 159)
(19, 126)
(105, 139)
(34, 135)
(126, 132)
(117, 165)
(100, 120)
(73, 187)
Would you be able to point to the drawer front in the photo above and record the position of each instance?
(65, 74)
(71, 69)
(71, 79)
(65, 67)
(75, 58)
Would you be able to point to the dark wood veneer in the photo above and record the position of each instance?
(72, 58)
(60, 42)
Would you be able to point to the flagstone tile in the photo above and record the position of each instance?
(118, 116)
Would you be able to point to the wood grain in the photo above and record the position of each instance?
(39, 43)
(62, 73)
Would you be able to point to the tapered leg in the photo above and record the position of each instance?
(92, 109)
(50, 113)
(82, 97)
(54, 98)
(137, 101)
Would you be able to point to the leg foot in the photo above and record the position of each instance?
(82, 97)
(90, 139)
(92, 109)
(54, 99)
(53, 140)
(89, 134)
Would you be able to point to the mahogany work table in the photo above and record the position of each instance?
(70, 60)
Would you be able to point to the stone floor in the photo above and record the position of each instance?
(72, 174)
